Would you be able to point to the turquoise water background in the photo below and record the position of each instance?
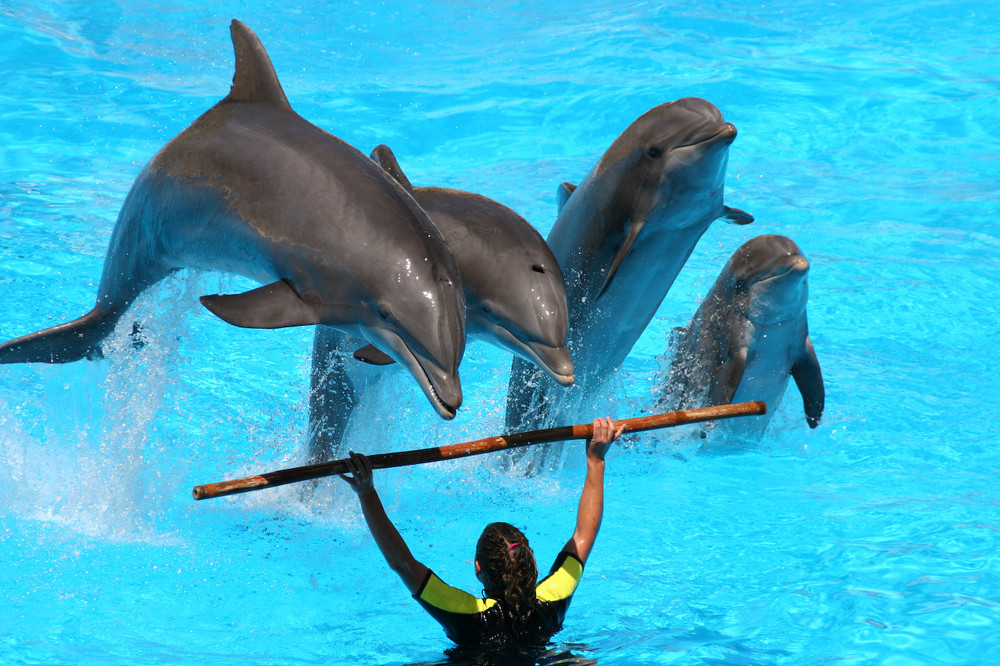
(867, 133)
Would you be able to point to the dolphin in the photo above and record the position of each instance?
(253, 188)
(621, 238)
(515, 299)
(749, 334)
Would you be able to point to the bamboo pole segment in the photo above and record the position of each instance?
(475, 447)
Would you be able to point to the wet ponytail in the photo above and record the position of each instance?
(510, 572)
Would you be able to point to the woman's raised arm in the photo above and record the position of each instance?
(387, 537)
(591, 508)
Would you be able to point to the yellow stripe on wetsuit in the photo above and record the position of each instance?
(441, 595)
(562, 582)
(558, 585)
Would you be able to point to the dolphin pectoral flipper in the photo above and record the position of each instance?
(726, 378)
(372, 355)
(633, 232)
(736, 216)
(809, 379)
(563, 193)
(275, 305)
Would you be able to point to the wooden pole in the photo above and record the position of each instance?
(474, 448)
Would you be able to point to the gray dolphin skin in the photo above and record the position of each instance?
(338, 383)
(749, 334)
(514, 295)
(621, 238)
(253, 188)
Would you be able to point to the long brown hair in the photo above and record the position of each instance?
(509, 571)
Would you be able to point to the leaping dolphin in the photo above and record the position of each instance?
(749, 334)
(253, 188)
(622, 237)
(514, 295)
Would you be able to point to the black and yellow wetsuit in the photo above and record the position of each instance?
(471, 621)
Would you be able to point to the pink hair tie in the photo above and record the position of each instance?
(511, 546)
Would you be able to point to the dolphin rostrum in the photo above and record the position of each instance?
(253, 188)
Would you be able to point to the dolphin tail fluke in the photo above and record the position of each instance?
(809, 379)
(275, 305)
(65, 343)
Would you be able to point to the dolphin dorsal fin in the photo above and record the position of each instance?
(563, 193)
(254, 80)
(385, 158)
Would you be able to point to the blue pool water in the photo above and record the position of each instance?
(867, 133)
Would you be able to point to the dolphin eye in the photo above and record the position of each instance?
(382, 312)
(538, 268)
(653, 151)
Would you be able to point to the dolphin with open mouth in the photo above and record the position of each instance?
(253, 188)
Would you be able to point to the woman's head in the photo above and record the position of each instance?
(506, 565)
